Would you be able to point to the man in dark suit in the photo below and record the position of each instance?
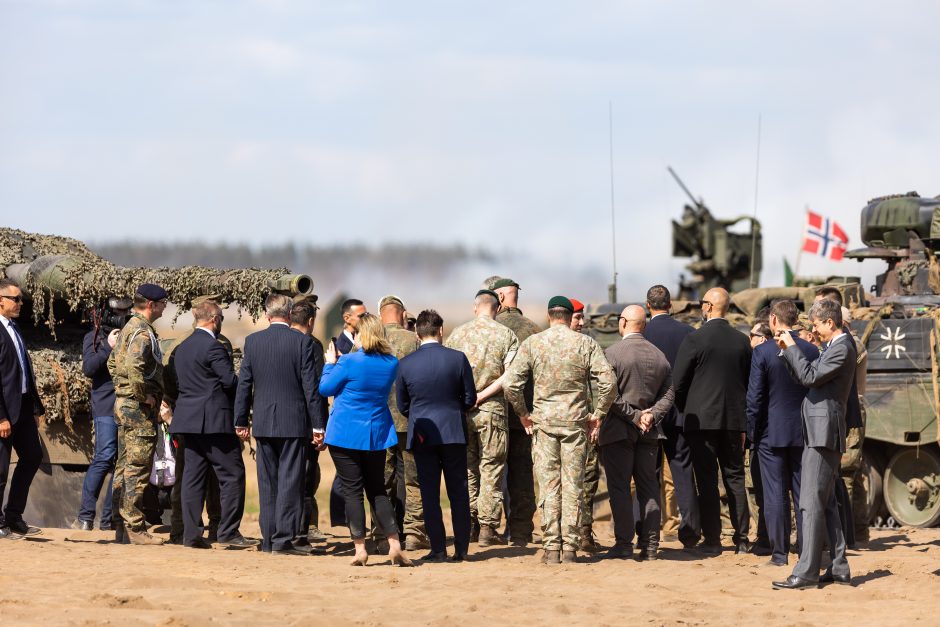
(21, 412)
(667, 334)
(710, 381)
(629, 435)
(205, 382)
(435, 389)
(352, 308)
(277, 382)
(775, 428)
(829, 378)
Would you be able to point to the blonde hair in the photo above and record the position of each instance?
(371, 335)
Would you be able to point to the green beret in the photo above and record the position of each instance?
(489, 293)
(560, 301)
(504, 283)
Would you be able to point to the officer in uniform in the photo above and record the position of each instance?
(136, 367)
(559, 361)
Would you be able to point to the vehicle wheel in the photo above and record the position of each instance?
(871, 474)
(912, 486)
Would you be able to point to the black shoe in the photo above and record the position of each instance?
(710, 550)
(521, 541)
(213, 535)
(646, 555)
(773, 562)
(20, 528)
(762, 550)
(311, 550)
(794, 583)
(458, 557)
(289, 551)
(105, 526)
(743, 548)
(619, 552)
(435, 558)
(83, 525)
(199, 543)
(239, 542)
(828, 577)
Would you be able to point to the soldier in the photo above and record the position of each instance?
(592, 471)
(490, 347)
(401, 475)
(136, 368)
(519, 480)
(559, 361)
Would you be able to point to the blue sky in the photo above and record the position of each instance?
(484, 122)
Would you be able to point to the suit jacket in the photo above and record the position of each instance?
(316, 346)
(277, 383)
(666, 333)
(435, 390)
(360, 383)
(774, 398)
(829, 378)
(206, 383)
(11, 381)
(343, 344)
(644, 382)
(710, 377)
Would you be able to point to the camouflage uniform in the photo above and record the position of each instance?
(489, 347)
(851, 463)
(136, 367)
(401, 475)
(592, 476)
(519, 480)
(559, 361)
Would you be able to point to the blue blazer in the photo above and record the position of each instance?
(277, 382)
(666, 333)
(435, 389)
(774, 398)
(360, 383)
(206, 382)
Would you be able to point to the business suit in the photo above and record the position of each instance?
(311, 514)
(343, 344)
(666, 334)
(644, 383)
(204, 414)
(20, 408)
(829, 378)
(435, 389)
(774, 427)
(710, 380)
(277, 382)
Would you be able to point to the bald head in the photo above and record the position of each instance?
(508, 296)
(718, 301)
(632, 320)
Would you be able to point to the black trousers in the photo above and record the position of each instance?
(679, 456)
(780, 474)
(223, 452)
(359, 471)
(625, 460)
(280, 490)
(25, 441)
(213, 498)
(758, 483)
(311, 484)
(451, 460)
(712, 449)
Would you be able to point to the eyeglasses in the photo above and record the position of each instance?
(15, 299)
(219, 316)
(702, 303)
(753, 335)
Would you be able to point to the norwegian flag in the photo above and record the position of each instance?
(824, 237)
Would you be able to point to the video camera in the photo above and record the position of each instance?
(112, 314)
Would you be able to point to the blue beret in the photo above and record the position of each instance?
(152, 292)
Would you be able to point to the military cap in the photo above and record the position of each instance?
(391, 299)
(307, 298)
(578, 305)
(152, 292)
(488, 293)
(504, 283)
(215, 298)
(560, 301)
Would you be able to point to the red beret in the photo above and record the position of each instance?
(578, 305)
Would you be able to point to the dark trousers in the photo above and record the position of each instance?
(280, 490)
(223, 452)
(625, 460)
(360, 471)
(213, 498)
(818, 477)
(520, 484)
(679, 456)
(780, 476)
(311, 484)
(758, 484)
(25, 441)
(451, 460)
(101, 466)
(712, 449)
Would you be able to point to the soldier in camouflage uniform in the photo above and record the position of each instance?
(559, 361)
(401, 475)
(519, 480)
(136, 368)
(490, 347)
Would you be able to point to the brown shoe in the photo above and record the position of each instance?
(569, 557)
(551, 557)
(414, 543)
(588, 544)
(142, 537)
(489, 537)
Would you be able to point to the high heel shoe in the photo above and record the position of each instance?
(360, 561)
(400, 560)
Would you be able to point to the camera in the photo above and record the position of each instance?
(112, 314)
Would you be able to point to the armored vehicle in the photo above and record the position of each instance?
(67, 289)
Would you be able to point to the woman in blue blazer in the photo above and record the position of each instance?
(360, 429)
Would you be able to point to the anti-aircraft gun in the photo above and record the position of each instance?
(66, 287)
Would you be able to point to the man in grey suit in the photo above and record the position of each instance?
(829, 379)
(629, 437)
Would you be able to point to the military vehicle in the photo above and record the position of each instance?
(67, 288)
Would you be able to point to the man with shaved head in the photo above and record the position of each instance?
(710, 378)
(629, 436)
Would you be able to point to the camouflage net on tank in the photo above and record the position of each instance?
(60, 381)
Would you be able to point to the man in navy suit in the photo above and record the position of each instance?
(774, 426)
(352, 308)
(435, 389)
(21, 411)
(666, 334)
(277, 382)
(205, 381)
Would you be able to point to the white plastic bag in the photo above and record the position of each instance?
(163, 473)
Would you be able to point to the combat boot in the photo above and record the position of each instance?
(588, 543)
(569, 557)
(474, 531)
(551, 557)
(489, 537)
(142, 537)
(414, 543)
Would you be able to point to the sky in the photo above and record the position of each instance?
(484, 123)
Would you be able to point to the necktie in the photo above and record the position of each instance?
(25, 366)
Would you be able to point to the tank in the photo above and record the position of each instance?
(66, 289)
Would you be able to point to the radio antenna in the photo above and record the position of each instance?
(753, 282)
(612, 288)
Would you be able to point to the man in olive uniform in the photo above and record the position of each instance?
(490, 347)
(401, 475)
(559, 361)
(519, 480)
(136, 368)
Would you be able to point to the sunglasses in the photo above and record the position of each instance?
(15, 299)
